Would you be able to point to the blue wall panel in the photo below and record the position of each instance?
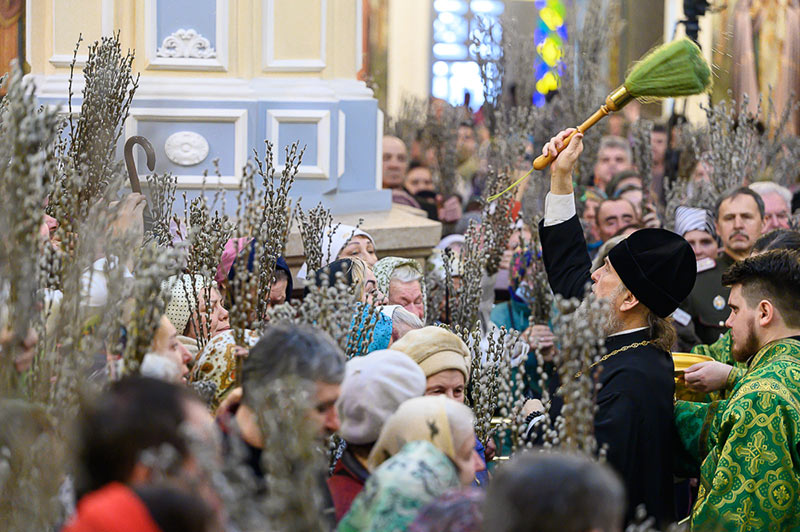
(305, 133)
(219, 135)
(354, 191)
(198, 15)
(360, 130)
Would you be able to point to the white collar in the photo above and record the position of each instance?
(626, 331)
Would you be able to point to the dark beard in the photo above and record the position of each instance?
(748, 347)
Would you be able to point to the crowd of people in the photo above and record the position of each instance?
(405, 450)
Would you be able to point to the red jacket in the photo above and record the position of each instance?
(113, 508)
(346, 482)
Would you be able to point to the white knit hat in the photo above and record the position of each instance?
(374, 386)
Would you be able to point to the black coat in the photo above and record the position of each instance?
(635, 401)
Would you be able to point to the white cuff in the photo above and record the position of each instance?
(558, 208)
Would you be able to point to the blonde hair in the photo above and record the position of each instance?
(358, 272)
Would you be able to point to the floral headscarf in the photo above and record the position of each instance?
(455, 511)
(216, 363)
(395, 492)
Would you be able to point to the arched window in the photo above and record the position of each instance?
(454, 70)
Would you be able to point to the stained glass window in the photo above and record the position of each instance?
(550, 36)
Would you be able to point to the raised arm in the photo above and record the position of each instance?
(564, 253)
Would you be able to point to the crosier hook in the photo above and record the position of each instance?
(130, 164)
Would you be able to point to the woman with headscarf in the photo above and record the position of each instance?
(374, 387)
(355, 274)
(282, 285)
(402, 282)
(195, 309)
(425, 449)
(341, 242)
(216, 364)
(446, 361)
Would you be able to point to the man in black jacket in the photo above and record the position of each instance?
(644, 279)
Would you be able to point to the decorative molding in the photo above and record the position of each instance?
(195, 57)
(322, 119)
(65, 60)
(186, 43)
(152, 87)
(238, 117)
(268, 41)
(340, 141)
(186, 148)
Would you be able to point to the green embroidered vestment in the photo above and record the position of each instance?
(747, 446)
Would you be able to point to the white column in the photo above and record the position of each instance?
(409, 51)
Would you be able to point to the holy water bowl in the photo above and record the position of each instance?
(683, 361)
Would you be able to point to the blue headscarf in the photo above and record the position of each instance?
(381, 334)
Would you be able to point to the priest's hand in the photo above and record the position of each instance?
(707, 376)
(564, 163)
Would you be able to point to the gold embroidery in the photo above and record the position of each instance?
(780, 494)
(756, 452)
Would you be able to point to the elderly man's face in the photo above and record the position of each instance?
(613, 216)
(776, 212)
(605, 280)
(407, 295)
(395, 162)
(703, 244)
(609, 162)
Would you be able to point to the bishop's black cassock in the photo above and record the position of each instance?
(635, 402)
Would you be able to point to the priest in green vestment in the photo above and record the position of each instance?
(718, 378)
(747, 447)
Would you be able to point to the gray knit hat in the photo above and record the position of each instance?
(374, 386)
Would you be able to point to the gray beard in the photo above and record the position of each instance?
(612, 323)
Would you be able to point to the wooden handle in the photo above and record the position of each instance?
(543, 161)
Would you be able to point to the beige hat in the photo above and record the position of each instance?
(435, 349)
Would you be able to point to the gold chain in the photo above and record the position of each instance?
(616, 352)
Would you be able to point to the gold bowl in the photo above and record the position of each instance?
(683, 361)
